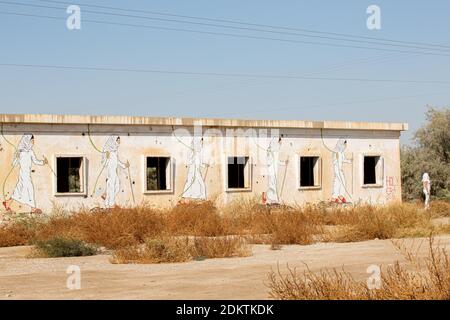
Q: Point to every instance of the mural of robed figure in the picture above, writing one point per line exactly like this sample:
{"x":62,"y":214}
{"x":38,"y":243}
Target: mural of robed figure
{"x":24,"y":157}
{"x":194,"y":187}
{"x":339,"y":182}
{"x":111,"y":162}
{"x":273,"y":163}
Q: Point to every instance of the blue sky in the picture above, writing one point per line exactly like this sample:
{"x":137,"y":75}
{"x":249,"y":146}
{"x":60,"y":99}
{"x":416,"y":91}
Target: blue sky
{"x":32,"y":40}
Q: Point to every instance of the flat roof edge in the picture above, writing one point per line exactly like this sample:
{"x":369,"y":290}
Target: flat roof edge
{"x":211,"y":122}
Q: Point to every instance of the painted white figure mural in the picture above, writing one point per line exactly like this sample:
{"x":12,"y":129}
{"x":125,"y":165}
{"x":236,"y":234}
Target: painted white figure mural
{"x":339,"y":182}
{"x":426,"y":182}
{"x":194,"y":187}
{"x":25,"y":157}
{"x":273,"y":162}
{"x":111,"y":162}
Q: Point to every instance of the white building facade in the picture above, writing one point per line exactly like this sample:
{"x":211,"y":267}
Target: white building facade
{"x":107,"y":161}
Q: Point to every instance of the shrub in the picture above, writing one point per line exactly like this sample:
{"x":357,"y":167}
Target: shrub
{"x":430,"y":153}
{"x":275,"y":225}
{"x":284,"y":225}
{"x":64,"y":247}
{"x":367,"y":222}
{"x":195,"y":219}
{"x":181,"y":249}
{"x":158,"y":250}
{"x":115,"y":228}
{"x":323,"y":285}
{"x":293,"y":227}
{"x":372,"y":223}
{"x":440,"y":208}
{"x":397,"y":283}
{"x":222,"y":247}
{"x":17,"y":233}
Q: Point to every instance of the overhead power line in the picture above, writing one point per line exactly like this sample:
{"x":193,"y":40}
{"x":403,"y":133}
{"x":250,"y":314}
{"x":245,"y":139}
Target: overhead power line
{"x":246,"y":23}
{"x":333,"y":38}
{"x":227,"y":34}
{"x":216,"y":74}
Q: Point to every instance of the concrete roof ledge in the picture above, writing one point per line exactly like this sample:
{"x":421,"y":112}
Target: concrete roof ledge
{"x":171,"y":121}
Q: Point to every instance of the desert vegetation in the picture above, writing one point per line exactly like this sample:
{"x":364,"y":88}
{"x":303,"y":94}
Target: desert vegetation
{"x":417,"y":279}
{"x":202,"y":230}
{"x":182,"y":249}
{"x":63,"y":247}
{"x":430,"y":152}
{"x":197,"y":231}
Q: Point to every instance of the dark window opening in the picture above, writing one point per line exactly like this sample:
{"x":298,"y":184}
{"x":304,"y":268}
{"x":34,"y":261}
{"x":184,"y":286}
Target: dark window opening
{"x":69,"y":175}
{"x":236,"y":172}
{"x":157,"y":173}
{"x":308,"y":175}
{"x":370,"y":174}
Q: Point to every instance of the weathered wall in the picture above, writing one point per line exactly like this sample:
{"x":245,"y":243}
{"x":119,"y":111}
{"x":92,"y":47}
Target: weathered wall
{"x":140,"y":140}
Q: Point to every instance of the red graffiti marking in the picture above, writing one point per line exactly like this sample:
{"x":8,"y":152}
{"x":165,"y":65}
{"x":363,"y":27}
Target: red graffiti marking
{"x":391,"y":183}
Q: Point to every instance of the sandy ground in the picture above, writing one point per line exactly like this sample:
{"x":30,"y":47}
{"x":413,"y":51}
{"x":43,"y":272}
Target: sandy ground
{"x":230,"y":278}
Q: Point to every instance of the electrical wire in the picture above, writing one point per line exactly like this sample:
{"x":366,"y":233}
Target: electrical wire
{"x":233,"y":27}
{"x":246,"y":23}
{"x":229,"y":34}
{"x":217,"y":74}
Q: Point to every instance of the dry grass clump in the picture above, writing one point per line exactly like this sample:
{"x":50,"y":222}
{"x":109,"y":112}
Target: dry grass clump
{"x":115,"y":228}
{"x":166,"y":249}
{"x":367,"y":222}
{"x":17,"y":234}
{"x":323,"y":285}
{"x":158,"y":250}
{"x":293,"y":227}
{"x":397,"y":282}
{"x":240,"y":215}
{"x":275,"y":225}
{"x":439,"y":208}
{"x":221,"y":247}
{"x":195,"y":219}
{"x":63,"y":247}
{"x":112,"y":229}
{"x":443,"y":229}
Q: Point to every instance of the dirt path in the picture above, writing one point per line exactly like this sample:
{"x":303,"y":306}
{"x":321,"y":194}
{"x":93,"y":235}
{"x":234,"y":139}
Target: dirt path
{"x":237,"y":278}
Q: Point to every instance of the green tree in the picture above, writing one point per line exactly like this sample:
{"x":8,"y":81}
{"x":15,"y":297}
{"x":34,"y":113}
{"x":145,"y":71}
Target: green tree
{"x":431,"y":153}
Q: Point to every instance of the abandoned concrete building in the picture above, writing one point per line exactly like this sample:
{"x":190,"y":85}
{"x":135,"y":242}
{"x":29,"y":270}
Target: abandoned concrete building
{"x":106,"y":161}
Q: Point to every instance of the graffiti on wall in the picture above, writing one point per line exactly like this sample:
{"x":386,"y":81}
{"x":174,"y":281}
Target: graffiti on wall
{"x":391,"y":187}
{"x":112,"y":166}
{"x":194,"y":187}
{"x":111,"y":163}
{"x":273,"y":162}
{"x":24,"y":158}
{"x":272,"y":157}
{"x":340,"y":191}
{"x":273,"y":195}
